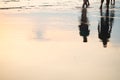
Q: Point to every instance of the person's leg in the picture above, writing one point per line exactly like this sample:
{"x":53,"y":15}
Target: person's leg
{"x":83,"y":4}
{"x":107,"y":3}
{"x":88,"y":2}
{"x":101,"y":4}
{"x":113,"y":2}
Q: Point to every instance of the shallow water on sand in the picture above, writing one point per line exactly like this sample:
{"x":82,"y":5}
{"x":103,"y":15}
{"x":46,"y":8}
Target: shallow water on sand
{"x":47,"y":43}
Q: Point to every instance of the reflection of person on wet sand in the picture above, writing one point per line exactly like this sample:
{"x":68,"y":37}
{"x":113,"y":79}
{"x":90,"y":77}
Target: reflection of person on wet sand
{"x":105,"y":26}
{"x":83,"y":27}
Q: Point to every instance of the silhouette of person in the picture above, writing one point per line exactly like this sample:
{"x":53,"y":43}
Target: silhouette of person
{"x":105,"y":26}
{"x":85,"y":3}
{"x":84,"y":27}
{"x":107,"y":3}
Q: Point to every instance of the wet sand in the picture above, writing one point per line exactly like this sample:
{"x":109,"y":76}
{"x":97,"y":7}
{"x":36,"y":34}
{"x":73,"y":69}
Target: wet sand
{"x":46,"y":43}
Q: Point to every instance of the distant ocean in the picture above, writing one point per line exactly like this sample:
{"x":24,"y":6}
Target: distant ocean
{"x":41,"y":3}
{"x":49,"y":4}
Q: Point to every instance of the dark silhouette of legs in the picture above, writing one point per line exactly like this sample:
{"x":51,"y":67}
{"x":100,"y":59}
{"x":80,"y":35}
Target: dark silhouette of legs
{"x":101,"y":4}
{"x":112,"y":2}
{"x":107,"y":3}
{"x":85,"y":3}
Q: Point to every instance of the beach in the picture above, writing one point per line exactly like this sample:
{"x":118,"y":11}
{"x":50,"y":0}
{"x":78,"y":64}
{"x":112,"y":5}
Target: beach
{"x":45,"y":40}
